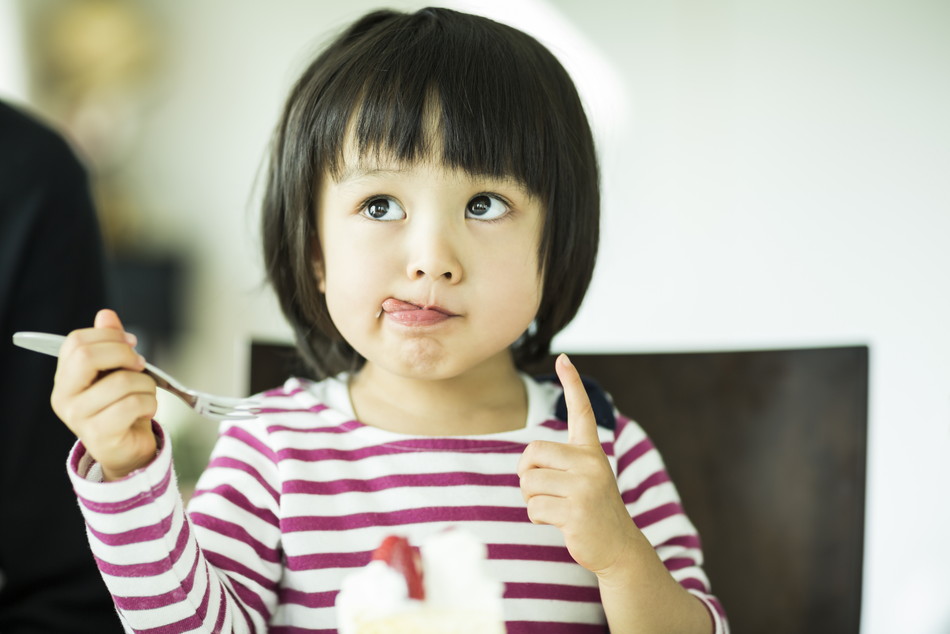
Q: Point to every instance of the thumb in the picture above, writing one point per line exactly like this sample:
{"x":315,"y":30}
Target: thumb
{"x":581,"y":423}
{"x":107,"y":318}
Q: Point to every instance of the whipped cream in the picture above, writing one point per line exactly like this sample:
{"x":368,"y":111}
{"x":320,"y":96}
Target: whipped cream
{"x":453,"y":568}
{"x":372,"y":593}
{"x":460,"y":597}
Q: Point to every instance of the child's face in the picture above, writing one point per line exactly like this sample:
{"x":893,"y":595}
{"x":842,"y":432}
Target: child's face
{"x":428,"y":272}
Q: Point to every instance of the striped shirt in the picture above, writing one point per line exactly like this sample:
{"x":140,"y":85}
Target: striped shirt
{"x":298,"y":497}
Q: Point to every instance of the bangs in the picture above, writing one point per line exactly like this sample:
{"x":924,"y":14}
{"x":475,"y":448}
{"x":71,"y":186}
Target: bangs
{"x":437,"y":92}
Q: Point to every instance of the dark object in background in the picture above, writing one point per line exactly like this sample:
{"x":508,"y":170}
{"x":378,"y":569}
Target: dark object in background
{"x":768,"y":451}
{"x":51,"y":279}
{"x":146,"y":292}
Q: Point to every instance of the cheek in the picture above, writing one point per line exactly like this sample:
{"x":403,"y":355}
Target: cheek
{"x":516,"y":283}
{"x":353,"y":277}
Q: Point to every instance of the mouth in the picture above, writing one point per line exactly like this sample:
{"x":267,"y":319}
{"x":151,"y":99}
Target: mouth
{"x":411,"y":314}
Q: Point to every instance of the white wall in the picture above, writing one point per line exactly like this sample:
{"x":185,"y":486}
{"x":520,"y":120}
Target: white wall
{"x":784,"y":183}
{"x":775,"y":181}
{"x":12,"y":72}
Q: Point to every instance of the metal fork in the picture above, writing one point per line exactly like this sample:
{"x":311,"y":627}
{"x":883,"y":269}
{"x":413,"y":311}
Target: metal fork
{"x":208,"y":405}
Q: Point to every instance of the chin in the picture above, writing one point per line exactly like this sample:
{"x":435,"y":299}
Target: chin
{"x":427,"y":360}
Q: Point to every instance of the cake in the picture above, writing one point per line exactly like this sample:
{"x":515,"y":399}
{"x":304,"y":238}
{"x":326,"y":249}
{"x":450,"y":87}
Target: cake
{"x":442,"y":589}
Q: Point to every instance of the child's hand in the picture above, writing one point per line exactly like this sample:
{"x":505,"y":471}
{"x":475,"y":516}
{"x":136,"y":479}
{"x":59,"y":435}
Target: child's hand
{"x":571,"y":486}
{"x":101,"y":394}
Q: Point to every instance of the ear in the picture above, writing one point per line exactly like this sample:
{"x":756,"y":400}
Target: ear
{"x":317,"y":255}
{"x":318,"y":273}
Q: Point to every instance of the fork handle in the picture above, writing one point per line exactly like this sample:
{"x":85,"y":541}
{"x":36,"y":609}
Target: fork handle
{"x":48,"y":343}
{"x":163,"y":381}
{"x":42,"y":342}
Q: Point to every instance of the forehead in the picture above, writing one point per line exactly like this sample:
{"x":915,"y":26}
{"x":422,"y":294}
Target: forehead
{"x":370,"y":162}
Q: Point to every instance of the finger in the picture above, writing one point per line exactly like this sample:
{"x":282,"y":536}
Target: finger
{"x":581,"y":423}
{"x":85,"y":336}
{"x":108,"y":318}
{"x":549,"y":482}
{"x":546,"y":509}
{"x":109,"y":390}
{"x":547,"y":455}
{"x":129,"y":411}
{"x":80,"y":366}
{"x":107,"y":432}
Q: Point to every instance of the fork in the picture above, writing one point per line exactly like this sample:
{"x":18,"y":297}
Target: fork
{"x":208,"y":405}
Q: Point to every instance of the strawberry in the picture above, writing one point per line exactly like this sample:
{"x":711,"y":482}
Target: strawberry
{"x":404,"y":559}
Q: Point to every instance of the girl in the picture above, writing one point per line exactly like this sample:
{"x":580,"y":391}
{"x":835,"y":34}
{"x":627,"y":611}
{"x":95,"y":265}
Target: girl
{"x":430,"y":222}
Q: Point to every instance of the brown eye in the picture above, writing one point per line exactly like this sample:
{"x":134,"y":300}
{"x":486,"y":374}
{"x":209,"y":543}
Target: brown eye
{"x":383,"y":209}
{"x":486,"y":207}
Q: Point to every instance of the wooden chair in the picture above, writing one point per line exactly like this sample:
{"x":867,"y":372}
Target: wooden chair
{"x":767,"y":449}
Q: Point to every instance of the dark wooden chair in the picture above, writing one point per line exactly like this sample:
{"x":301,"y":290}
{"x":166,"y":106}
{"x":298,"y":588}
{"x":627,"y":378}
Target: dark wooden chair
{"x":767,"y":449}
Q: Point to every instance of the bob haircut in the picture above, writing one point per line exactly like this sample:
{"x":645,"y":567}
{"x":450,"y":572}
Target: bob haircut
{"x":505,"y":107}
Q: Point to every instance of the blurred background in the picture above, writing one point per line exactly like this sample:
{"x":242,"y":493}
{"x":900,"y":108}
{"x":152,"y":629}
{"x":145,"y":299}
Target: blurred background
{"x":775,"y":175}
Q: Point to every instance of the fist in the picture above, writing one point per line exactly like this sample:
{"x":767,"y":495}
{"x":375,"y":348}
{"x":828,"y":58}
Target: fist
{"x":101,"y":394}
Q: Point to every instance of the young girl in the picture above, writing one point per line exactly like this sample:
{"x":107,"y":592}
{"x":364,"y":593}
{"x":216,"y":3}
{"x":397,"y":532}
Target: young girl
{"x":430,"y":223}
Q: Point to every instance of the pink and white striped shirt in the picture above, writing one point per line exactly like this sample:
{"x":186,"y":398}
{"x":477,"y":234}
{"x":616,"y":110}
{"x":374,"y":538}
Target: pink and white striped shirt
{"x":300,"y":496}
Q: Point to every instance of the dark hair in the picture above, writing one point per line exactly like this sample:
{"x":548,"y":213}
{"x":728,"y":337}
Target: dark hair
{"x":505,"y":107}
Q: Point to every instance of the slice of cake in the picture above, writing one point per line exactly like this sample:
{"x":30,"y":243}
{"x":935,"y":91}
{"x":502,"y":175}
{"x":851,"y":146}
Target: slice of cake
{"x":442,"y":590}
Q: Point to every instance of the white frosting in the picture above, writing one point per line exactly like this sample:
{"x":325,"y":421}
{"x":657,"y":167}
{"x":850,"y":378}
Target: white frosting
{"x":460,"y":595}
{"x":453,"y":564}
{"x":372,"y":592}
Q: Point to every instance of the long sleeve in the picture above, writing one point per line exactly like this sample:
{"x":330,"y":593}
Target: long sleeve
{"x":654,"y":504}
{"x":169,"y":572}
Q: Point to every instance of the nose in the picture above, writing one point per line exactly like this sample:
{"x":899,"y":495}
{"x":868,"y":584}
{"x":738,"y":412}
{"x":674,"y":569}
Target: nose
{"x":434,"y":255}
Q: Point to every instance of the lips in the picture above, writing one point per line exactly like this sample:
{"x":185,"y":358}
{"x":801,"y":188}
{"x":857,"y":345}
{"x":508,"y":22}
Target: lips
{"x":409,"y":314}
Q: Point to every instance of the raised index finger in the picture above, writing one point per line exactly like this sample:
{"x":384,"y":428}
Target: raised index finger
{"x":581,"y":422}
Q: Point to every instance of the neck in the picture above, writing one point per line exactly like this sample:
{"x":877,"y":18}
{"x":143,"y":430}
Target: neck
{"x":488,"y":398}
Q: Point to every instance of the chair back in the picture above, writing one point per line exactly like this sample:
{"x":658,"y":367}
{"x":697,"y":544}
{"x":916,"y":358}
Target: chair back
{"x":768,"y":451}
